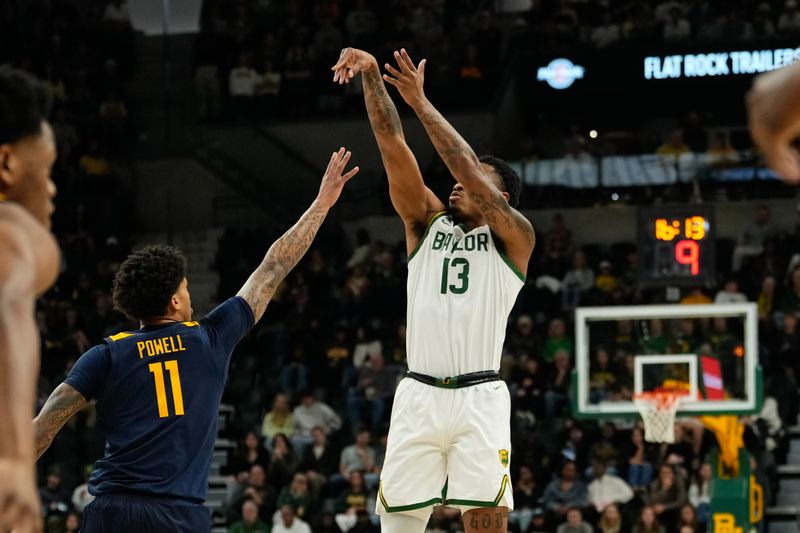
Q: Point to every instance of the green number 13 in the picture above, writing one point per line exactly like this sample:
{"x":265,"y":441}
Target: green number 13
{"x":462,"y":276}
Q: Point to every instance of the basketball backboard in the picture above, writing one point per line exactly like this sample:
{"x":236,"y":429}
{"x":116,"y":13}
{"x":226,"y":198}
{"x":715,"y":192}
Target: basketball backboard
{"x":711,"y":351}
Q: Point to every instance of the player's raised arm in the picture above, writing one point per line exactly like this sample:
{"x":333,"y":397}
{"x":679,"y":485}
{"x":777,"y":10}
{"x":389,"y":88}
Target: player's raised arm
{"x":773,"y":105}
{"x":285,"y":253}
{"x":506,"y":222}
{"x":412,"y":200}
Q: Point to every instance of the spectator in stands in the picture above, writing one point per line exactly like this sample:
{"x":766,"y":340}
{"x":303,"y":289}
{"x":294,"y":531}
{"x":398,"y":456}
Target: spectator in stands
{"x":721,"y":153}
{"x":577,"y":283}
{"x":373,"y":391}
{"x":526,"y":498}
{"x":257,"y":490}
{"x":763,"y":28}
{"x":327,"y":524}
{"x":654,"y":340}
{"x":72,"y":524}
{"x":320,"y":460}
{"x":673,"y":148}
{"x":249,"y":452}
{"x":751,"y":241}
{"x":688,"y":518}
{"x":268,"y":90}
{"x":602,"y":378}
{"x":557,"y":340}
{"x":605,"y":282}
{"x":283,"y":461}
{"x":766,"y":300}
{"x":676,"y":28}
{"x":648,"y":523}
{"x":117,"y":13}
{"x":557,"y":395}
{"x":352,"y":501}
{"x":55,"y":497}
{"x":640,"y":460}
{"x":278,"y":420}
{"x":361,"y":25}
{"x":298,"y":496}
{"x":360,"y":456}
{"x":93,"y":162}
{"x":312,"y":413}
{"x":557,"y":246}
{"x":607,"y":489}
{"x":564,"y":492}
{"x":696,"y":296}
{"x":606,"y":34}
{"x":574,"y":523}
{"x":667,"y":495}
{"x":790,"y":302}
{"x":242,"y":83}
{"x":289,"y":523}
{"x":789,"y":21}
{"x":610,"y":520}
{"x":523,"y":339}
{"x":730,"y":294}
{"x":250,"y":522}
{"x":80,"y":496}
{"x":367,"y":345}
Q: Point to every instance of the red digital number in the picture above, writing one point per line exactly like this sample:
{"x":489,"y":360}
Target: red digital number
{"x":688,"y":253}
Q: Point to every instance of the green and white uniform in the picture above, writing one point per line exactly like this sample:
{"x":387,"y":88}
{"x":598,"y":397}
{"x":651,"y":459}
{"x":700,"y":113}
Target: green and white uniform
{"x":452,"y":445}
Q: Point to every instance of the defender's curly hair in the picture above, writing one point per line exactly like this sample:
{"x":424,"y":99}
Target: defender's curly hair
{"x":24,"y":104}
{"x":147,"y":279}
{"x":512,"y":183}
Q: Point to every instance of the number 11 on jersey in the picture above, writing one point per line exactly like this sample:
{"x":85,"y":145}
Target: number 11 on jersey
{"x":157,"y":369}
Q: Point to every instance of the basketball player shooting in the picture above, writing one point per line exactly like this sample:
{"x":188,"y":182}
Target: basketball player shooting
{"x":449,"y":437}
{"x":28,"y":267}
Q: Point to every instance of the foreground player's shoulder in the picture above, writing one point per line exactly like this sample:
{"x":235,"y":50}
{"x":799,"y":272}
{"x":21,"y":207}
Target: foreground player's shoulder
{"x":27,"y":249}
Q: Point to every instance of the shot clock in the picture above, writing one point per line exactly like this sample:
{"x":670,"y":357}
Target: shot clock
{"x":676,"y":245}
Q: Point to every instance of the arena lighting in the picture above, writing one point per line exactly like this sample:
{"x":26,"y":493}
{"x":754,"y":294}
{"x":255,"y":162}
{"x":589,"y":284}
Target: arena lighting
{"x":718,"y":63}
{"x":560,"y":73}
{"x":593,"y":134}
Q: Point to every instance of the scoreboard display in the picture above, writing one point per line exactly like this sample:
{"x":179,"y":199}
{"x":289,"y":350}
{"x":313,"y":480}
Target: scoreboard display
{"x":676,"y":245}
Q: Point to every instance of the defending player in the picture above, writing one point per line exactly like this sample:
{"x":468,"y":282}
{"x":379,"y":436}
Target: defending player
{"x":28,"y":267}
{"x":449,"y":438}
{"x":158,"y":389}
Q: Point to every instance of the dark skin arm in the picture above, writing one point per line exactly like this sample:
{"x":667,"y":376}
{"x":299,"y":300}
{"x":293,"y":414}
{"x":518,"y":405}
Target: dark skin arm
{"x":509,"y":225}
{"x":287,"y":251}
{"x":413,"y":201}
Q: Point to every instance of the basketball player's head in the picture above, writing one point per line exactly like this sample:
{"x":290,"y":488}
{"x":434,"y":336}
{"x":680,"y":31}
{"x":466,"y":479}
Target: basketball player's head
{"x":27,"y":146}
{"x":151,"y":284}
{"x":508,"y":182}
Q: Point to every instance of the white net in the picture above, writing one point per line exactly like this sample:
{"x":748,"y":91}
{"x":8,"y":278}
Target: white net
{"x":658,"y":413}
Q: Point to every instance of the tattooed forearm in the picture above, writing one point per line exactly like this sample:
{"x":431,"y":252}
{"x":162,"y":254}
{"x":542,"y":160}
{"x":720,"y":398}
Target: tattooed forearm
{"x":60,"y":406}
{"x":281,"y":258}
{"x":453,"y":149}
{"x":381,"y":110}
{"x":487,"y":520}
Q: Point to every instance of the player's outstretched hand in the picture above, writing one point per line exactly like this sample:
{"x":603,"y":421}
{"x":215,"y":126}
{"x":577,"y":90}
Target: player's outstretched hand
{"x":334,"y":178}
{"x":351,"y":62}
{"x":20,"y":508}
{"x":409,"y":79}
{"x":774,"y":113}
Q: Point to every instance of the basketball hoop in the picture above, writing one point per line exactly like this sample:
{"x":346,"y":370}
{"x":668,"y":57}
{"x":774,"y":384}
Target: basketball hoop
{"x":658,"y":408}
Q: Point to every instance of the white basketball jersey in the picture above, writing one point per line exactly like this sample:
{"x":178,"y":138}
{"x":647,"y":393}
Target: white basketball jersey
{"x":460,"y":292}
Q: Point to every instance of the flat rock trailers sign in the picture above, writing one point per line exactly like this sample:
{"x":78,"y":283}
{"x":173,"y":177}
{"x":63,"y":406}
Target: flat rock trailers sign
{"x":718,"y":63}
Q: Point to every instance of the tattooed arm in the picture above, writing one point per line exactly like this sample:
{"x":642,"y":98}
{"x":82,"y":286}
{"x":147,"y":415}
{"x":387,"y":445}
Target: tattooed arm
{"x":287,"y":251}
{"x":64,"y":402}
{"x":413,"y":201}
{"x":508,"y":224}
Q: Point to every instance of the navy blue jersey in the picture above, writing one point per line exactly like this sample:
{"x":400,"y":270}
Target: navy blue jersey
{"x":158,"y":392}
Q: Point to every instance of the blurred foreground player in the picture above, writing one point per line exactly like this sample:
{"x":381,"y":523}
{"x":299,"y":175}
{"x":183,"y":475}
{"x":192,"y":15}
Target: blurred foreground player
{"x":773,"y":106}
{"x":449,"y":436}
{"x":158,"y":389}
{"x":28,"y":267}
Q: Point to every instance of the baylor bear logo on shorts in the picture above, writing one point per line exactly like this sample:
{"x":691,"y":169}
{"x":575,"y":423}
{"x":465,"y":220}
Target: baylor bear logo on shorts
{"x":504,"y":458}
